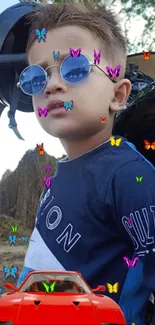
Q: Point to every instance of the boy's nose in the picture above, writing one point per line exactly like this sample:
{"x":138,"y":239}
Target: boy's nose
{"x":55,"y":82}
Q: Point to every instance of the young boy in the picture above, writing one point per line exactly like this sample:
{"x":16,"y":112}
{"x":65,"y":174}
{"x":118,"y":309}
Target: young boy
{"x":101,"y":203}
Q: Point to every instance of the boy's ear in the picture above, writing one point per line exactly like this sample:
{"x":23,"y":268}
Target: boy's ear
{"x":122,"y":91}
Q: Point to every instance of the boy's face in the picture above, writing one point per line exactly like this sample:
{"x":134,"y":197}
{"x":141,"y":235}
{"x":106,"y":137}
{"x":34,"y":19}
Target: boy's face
{"x":94,"y":98}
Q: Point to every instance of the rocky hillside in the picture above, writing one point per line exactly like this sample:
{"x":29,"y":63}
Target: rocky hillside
{"x":19,"y":194}
{"x":20,"y":190}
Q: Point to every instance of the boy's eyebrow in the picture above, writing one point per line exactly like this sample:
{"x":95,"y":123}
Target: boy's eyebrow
{"x":45,"y":64}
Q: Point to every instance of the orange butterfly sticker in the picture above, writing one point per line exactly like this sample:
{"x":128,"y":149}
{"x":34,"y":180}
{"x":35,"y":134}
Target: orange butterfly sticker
{"x":149,"y":145}
{"x":103,"y":120}
{"x":41,"y":149}
{"x":147,"y":55}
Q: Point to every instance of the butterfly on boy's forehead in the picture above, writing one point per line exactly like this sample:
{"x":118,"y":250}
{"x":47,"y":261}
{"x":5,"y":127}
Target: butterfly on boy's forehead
{"x":56,"y":55}
{"x":75,"y":52}
{"x":147,"y":55}
{"x":41,"y":149}
{"x":113,"y":288}
{"x":41,"y":34}
{"x":116,"y":142}
{"x":149,"y":145}
{"x":97,"y":57}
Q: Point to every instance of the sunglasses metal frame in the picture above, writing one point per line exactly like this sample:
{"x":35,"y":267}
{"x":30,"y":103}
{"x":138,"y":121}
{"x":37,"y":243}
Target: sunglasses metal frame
{"x":60,"y":66}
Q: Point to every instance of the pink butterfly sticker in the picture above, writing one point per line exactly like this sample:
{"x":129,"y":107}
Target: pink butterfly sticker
{"x":132,"y":262}
{"x":47,"y":169}
{"x":42,"y":112}
{"x":47,"y":181}
{"x":129,"y":221}
{"x":97,"y":56}
{"x":115,"y":72}
{"x":75,"y":52}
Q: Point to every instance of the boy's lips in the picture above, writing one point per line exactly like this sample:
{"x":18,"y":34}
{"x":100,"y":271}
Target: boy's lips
{"x":57,"y":107}
{"x":55,"y":104}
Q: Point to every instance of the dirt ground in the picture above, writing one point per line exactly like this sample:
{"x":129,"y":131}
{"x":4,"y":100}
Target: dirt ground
{"x":11,"y":256}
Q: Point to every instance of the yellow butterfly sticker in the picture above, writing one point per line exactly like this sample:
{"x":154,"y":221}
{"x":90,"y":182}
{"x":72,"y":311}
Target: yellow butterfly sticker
{"x":113,"y":288}
{"x":114,"y":142}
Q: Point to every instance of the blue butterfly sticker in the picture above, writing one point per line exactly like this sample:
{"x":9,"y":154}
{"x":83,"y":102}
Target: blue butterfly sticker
{"x":41,"y":35}
{"x":12,"y":240}
{"x":68,"y":105}
{"x":10,"y":271}
{"x":56,"y":55}
{"x":24,"y":239}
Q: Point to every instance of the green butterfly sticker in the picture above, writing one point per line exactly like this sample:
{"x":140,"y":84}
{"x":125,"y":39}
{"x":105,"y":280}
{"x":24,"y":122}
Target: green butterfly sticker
{"x":14,"y":229}
{"x":139,"y":179}
{"x":48,"y":287}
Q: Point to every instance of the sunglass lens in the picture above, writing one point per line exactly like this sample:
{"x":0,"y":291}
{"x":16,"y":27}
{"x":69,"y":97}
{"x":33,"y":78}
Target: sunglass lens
{"x":75,"y":69}
{"x":32,"y":80}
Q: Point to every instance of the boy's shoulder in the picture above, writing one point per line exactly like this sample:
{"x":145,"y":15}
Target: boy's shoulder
{"x":127,"y":175}
{"x":119,"y":156}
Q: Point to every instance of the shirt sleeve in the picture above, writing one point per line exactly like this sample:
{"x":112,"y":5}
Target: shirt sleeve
{"x":131,"y":200}
{"x":131,"y":197}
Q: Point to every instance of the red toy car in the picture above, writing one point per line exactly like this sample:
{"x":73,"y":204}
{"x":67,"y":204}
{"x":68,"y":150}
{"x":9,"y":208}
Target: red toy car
{"x":59,"y":298}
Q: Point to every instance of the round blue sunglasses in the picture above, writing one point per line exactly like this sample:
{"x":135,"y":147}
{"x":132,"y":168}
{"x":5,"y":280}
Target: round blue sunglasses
{"x":33,"y":79}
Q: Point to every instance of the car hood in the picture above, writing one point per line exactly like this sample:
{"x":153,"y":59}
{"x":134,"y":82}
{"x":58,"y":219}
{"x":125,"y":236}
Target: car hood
{"x":39,"y":309}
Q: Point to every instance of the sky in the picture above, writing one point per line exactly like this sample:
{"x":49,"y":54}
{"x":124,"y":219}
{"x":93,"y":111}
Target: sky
{"x":13,"y":149}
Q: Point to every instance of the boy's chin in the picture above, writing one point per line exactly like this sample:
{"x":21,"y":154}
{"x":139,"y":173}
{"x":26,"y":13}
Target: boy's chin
{"x":60,"y":134}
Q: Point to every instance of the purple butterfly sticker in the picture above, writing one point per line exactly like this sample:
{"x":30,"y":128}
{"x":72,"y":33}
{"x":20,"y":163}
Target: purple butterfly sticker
{"x":113,"y":73}
{"x":47,"y":181}
{"x":47,"y":169}
{"x":75,"y":52}
{"x":132,"y":262}
{"x":129,"y":221}
{"x":42,"y":112}
{"x":97,"y":56}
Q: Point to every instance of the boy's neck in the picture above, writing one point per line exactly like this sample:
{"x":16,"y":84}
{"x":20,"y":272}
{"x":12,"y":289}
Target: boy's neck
{"x":78,"y":147}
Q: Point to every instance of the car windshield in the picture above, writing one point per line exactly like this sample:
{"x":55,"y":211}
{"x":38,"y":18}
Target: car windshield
{"x":53,"y":283}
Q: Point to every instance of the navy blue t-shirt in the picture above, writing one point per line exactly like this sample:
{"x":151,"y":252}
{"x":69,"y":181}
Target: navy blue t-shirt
{"x":100,"y":208}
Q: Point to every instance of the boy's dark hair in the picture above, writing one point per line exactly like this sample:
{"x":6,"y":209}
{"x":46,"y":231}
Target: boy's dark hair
{"x":101,"y":22}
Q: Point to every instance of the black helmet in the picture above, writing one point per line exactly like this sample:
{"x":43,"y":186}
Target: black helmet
{"x":139,"y":72}
{"x":13,"y":40}
{"x":136,"y":121}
